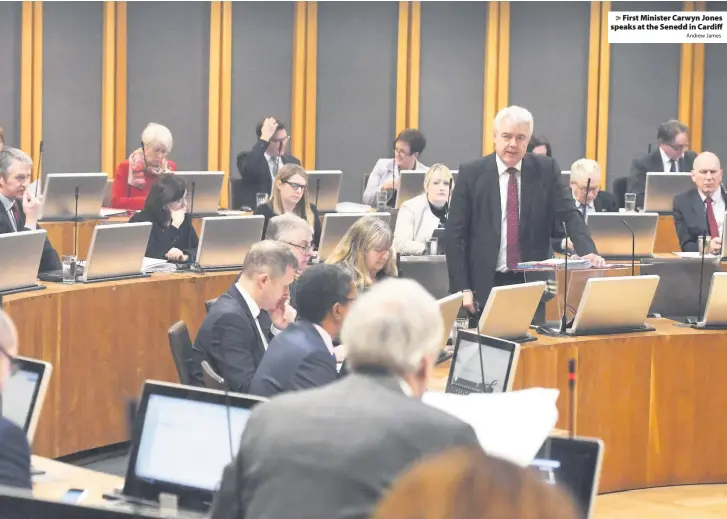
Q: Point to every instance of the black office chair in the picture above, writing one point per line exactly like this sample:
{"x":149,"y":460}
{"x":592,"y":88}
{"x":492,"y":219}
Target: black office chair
{"x":619,"y":190}
{"x":212,"y":380}
{"x":181,"y":346}
{"x":208,"y":304}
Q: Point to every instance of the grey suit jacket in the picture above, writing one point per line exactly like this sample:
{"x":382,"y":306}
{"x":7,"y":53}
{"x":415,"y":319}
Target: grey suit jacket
{"x":331,"y":452}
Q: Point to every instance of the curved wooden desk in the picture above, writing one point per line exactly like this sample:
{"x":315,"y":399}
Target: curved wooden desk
{"x":656,"y":399}
{"x":104,"y":340}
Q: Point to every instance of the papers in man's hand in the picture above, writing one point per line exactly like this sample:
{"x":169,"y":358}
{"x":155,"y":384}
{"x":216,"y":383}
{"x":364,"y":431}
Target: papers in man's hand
{"x":352,"y":207}
{"x":157,"y":265}
{"x":696,"y":255}
{"x":575,"y":264}
{"x":511,"y":426}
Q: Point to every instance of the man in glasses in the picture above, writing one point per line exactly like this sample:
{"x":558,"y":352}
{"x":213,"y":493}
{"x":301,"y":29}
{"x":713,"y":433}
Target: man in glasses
{"x":671,"y":156}
{"x":258,"y":167}
{"x":14,"y":448}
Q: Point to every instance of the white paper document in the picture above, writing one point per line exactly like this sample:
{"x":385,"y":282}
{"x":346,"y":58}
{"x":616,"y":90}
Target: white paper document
{"x":351,"y":207}
{"x":696,"y":255}
{"x":157,"y":265}
{"x":511,"y":426}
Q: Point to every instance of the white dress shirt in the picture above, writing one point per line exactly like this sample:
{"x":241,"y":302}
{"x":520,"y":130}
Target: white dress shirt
{"x":326,"y":338}
{"x":718,"y":206}
{"x":255,"y":311}
{"x":590,"y":208}
{"x":667,"y":162}
{"x":504,"y":178}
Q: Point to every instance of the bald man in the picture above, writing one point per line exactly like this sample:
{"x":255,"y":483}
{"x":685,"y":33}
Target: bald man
{"x":702,"y":207}
{"x":14,"y":448}
{"x":588,"y":198}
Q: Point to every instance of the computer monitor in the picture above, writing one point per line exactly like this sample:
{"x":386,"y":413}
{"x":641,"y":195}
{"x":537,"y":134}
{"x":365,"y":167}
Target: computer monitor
{"x":335,"y":226}
{"x":613,"y":238}
{"x":117,"y":251}
{"x":661,"y":188}
{"x":411,"y":184}
{"x":324,"y":188}
{"x":60,"y":195}
{"x":225,"y":240}
{"x":499,"y":319}
{"x":24,"y":394}
{"x":482,"y":364}
{"x":20,"y":254}
{"x":206,"y":187}
{"x":181,"y":441}
{"x":715,"y":312}
{"x":449,"y":308}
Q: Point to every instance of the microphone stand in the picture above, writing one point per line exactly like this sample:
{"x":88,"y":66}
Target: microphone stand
{"x":585,"y":204}
{"x":398,"y":265}
{"x":633,"y":247}
{"x":39,"y":170}
{"x":701,"y":266}
{"x":194,"y":266}
{"x":318,"y":188}
{"x":75,"y":225}
{"x":571,"y":396}
{"x":564,"y":319}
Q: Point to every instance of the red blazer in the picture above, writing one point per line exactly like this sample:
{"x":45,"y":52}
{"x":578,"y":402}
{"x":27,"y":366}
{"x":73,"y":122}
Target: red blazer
{"x":124,"y":196}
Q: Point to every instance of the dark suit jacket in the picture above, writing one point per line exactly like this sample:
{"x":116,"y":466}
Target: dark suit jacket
{"x":163,"y":239}
{"x":296,"y":359}
{"x":332,"y":452}
{"x":605,"y":202}
{"x":14,"y":456}
{"x":690,"y":219}
{"x":475,"y":220}
{"x":652,"y":162}
{"x":228,"y":339}
{"x":254,"y":175}
{"x":267,"y":211}
{"x":49,"y":258}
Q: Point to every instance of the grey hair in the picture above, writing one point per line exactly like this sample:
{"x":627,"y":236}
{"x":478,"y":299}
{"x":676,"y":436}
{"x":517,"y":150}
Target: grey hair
{"x":282,"y":225}
{"x":8,"y":333}
{"x":269,"y":257}
{"x":669,"y":130}
{"x":583,"y":168}
{"x":395,"y":325}
{"x":516,"y":115}
{"x":8,"y":155}
{"x":157,"y":133}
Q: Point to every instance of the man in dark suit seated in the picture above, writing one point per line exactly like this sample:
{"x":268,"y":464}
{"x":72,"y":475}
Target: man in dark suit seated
{"x":504,"y":207}
{"x":258,"y":167}
{"x":19,"y":208}
{"x":670,"y":157}
{"x":702,"y":208}
{"x":235,"y":333}
{"x":590,"y":200}
{"x":302,"y":355}
{"x":333,"y":451}
{"x":14,"y":448}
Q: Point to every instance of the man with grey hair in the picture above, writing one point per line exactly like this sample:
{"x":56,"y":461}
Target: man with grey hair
{"x":333,"y":451}
{"x":19,"y":208}
{"x":14,"y":448}
{"x":671,"y":156}
{"x":504,"y":206}
{"x":235,"y":333}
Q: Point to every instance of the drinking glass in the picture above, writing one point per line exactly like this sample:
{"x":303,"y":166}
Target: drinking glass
{"x":630,"y":202}
{"x":70,"y":263}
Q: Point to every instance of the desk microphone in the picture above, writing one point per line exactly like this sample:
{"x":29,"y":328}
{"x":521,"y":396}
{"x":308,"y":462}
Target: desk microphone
{"x":701,"y":266}
{"x":571,"y":396}
{"x":318,"y":188}
{"x":649,"y":149}
{"x":75,"y":224}
{"x":585,"y":204}
{"x":194,"y":266}
{"x":485,"y":388}
{"x":39,"y":171}
{"x":564,"y":319}
{"x":633,"y":247}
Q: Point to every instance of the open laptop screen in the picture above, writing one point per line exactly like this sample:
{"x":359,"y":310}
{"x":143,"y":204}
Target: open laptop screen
{"x":24,"y":393}
{"x":482,"y":364}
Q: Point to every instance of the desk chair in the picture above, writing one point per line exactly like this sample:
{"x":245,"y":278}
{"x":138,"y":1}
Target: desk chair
{"x":181,"y":346}
{"x":211,"y":379}
{"x":208,"y":304}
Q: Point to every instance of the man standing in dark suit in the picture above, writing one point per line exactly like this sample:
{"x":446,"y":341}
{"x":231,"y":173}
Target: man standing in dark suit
{"x":302,"y":356}
{"x":332,"y":452}
{"x":19,"y":208}
{"x":670,"y":157}
{"x":235,"y":333}
{"x":259,"y":166}
{"x":14,"y":448}
{"x":702,"y":208}
{"x":504,"y":206}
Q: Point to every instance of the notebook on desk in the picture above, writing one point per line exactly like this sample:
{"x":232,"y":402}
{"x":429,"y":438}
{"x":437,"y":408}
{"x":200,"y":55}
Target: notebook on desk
{"x":24,"y":394}
{"x":509,"y":310}
{"x":59,"y":195}
{"x":661,"y":188}
{"x":225,"y":241}
{"x":206,"y":187}
{"x":335,"y":226}
{"x":613,"y":238}
{"x":324,"y":188}
{"x":117,"y":252}
{"x":20,"y":254}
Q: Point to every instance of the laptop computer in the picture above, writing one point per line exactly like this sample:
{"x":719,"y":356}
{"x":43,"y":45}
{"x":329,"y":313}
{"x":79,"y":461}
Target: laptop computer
{"x":206,"y":187}
{"x":182,"y":439}
{"x":335,"y":226}
{"x":613,"y":238}
{"x":411,"y":184}
{"x":449,"y":307}
{"x":225,"y":240}
{"x":615,"y":305}
{"x":661,"y":188}
{"x":324,"y":188}
{"x":510,"y":310}
{"x":429,"y":271}
{"x":574,"y":463}
{"x":482,"y":364}
{"x":715,"y":312}
{"x":24,"y":394}
{"x":117,"y":252}
{"x":60,"y":195}
{"x":20,"y":254}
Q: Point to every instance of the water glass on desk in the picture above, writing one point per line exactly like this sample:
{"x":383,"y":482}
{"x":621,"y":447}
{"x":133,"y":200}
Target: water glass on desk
{"x":630,"y":202}
{"x":432,"y":246}
{"x":461,"y":323}
{"x":70,"y":264}
{"x":382,"y":200}
{"x":702,"y":243}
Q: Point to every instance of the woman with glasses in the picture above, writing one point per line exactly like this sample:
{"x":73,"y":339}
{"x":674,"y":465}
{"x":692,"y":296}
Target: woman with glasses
{"x":367,"y":250}
{"x":290,"y":196}
{"x":420,"y":216}
{"x":135,"y":176}
{"x":172,"y":235}
{"x":385,"y":175}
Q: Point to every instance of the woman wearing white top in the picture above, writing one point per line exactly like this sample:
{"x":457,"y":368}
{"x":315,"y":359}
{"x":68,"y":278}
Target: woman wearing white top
{"x":420,"y":216}
{"x":386,"y":173}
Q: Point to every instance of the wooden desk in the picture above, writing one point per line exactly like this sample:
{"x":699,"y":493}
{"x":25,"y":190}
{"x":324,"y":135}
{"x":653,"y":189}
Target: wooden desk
{"x":656,"y":399}
{"x":104,"y":340}
{"x":59,"y":477}
{"x":666,"y":235}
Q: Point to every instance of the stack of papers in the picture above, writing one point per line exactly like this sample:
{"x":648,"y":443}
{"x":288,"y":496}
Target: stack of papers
{"x":511,"y":426}
{"x":352,"y":207}
{"x":696,"y":255}
{"x":110,"y":211}
{"x":575,"y":264}
{"x":157,"y":265}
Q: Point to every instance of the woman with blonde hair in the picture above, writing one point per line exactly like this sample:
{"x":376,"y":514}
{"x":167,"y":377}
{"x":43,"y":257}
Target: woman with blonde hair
{"x":290,"y":196}
{"x":420,"y":216}
{"x":367,"y":250}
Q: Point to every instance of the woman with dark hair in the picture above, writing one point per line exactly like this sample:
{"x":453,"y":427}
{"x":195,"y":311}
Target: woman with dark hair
{"x":540,"y":146}
{"x":172,"y":235}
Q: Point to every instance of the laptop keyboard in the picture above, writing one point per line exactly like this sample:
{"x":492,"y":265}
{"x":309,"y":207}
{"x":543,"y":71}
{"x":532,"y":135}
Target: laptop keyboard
{"x":461,"y":386}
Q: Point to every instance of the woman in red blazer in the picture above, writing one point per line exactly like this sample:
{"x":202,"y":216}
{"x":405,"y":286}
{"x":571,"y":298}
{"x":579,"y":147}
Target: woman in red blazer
{"x":135,"y":176}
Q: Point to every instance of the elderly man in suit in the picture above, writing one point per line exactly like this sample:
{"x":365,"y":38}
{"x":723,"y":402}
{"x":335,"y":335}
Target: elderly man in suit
{"x":235,"y":333}
{"x":259,"y":166}
{"x":702,"y":208}
{"x":670,"y":157}
{"x":333,"y":451}
{"x":504,"y":207}
{"x":19,"y":208}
